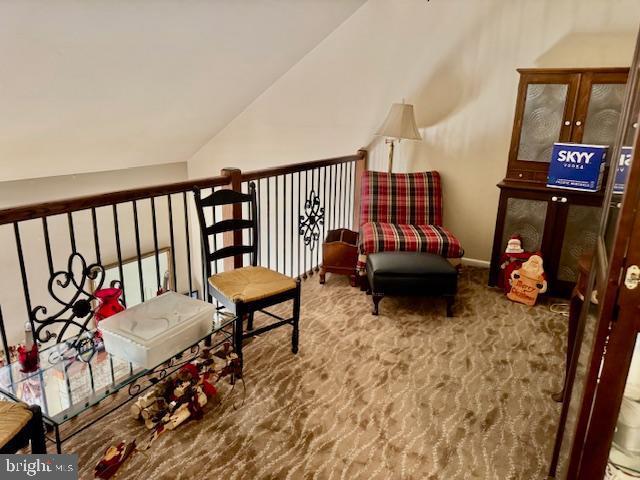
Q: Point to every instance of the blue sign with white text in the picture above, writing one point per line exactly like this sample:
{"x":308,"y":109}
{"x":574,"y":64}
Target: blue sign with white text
{"x":621,"y":169}
{"x":576,"y":167}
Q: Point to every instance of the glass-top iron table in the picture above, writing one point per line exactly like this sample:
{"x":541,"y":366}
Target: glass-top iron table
{"x":71,"y":381}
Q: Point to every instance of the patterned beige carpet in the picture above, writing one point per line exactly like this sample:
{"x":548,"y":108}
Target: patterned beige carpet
{"x":410,"y":394}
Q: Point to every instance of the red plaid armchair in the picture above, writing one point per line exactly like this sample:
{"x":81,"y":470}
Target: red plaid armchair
{"x":403,"y":212}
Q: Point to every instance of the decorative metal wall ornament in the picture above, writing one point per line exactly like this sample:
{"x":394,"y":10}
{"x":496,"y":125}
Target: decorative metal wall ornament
{"x":71,"y":290}
{"x":309,"y":223}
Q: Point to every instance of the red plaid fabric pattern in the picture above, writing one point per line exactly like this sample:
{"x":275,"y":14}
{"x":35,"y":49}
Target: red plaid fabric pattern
{"x":391,"y":237}
{"x":403,"y":212}
{"x":401,"y":198}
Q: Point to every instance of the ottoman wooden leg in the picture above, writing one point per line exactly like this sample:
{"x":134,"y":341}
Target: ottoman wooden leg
{"x":323,"y":272}
{"x":376,"y":300}
{"x":450,"y":299}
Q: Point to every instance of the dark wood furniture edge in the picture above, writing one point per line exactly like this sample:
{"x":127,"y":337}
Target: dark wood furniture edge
{"x":574,"y":70}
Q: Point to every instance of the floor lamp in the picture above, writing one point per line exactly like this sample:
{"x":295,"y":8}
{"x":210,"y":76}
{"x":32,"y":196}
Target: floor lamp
{"x":399,"y":124}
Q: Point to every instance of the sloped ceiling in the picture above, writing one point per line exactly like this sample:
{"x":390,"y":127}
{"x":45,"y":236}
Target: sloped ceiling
{"x":103,"y":85}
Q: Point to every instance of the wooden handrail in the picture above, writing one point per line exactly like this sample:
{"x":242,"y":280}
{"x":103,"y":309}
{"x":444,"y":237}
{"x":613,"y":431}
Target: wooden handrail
{"x":57,"y":207}
{"x":299,"y":167}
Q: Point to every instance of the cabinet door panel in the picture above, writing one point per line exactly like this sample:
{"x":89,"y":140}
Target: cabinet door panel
{"x":580,"y":236}
{"x":599,"y":108}
{"x":544,"y":113}
{"x":603,"y":114}
{"x":527,"y":218}
{"x":542,"y":120}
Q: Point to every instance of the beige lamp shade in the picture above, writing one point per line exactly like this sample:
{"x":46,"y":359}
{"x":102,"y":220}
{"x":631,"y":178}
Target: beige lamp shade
{"x":400,"y":123}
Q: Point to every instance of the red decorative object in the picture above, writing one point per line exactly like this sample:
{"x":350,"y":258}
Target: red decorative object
{"x":112,"y":459}
{"x":508,"y":263}
{"x":28,"y":358}
{"x":109,"y":303}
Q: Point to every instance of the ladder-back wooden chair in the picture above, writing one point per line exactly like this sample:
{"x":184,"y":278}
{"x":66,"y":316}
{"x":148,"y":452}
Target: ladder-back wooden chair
{"x":245,"y":290}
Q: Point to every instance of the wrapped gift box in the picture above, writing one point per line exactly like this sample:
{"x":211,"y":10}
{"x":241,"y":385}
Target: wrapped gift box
{"x":576,"y":167}
{"x":154,"y":331}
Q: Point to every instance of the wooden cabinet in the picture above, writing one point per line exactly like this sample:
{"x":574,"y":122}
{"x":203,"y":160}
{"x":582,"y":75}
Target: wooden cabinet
{"x":555,"y":105}
{"x":581,"y":106}
{"x":562,"y":224}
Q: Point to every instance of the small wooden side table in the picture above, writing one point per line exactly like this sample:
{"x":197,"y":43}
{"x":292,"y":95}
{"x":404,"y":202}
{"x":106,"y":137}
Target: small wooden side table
{"x":340,"y":254}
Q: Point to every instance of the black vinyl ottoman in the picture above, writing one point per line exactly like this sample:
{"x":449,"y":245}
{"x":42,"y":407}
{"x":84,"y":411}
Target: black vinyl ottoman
{"x":411,"y":273}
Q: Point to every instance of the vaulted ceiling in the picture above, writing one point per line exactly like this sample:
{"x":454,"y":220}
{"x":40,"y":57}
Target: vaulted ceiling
{"x":102,"y":85}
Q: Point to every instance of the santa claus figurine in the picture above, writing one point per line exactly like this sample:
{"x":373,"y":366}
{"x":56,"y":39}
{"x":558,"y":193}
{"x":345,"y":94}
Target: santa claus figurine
{"x":528,"y":281}
{"x":514,"y":245}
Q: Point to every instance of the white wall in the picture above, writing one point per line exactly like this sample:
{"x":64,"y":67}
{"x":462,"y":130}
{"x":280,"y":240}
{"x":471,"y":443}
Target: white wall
{"x":455,"y":60}
{"x":109,"y":84}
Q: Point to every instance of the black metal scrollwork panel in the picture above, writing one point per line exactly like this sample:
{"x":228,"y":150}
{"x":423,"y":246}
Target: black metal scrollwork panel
{"x":309,"y":223}
{"x":70,"y":289}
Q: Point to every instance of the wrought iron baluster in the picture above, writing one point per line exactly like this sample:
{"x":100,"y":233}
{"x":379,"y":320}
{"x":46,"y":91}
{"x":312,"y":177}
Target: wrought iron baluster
{"x":188,"y":239}
{"x":319,"y":240}
{"x":138,"y":251}
{"x":292,"y":222}
{"x":299,"y":239}
{"x":119,"y":254}
{"x":23,"y":274}
{"x":154,"y":225}
{"x":47,"y":244}
{"x":324,"y":204}
{"x":96,"y":240}
{"x":173,"y":244}
{"x":5,"y":344}
{"x":306,"y":192}
{"x":277,"y":243}
{"x":341,"y":198}
{"x":334,"y":187}
{"x":347,"y":195}
{"x":268,"y":223}
{"x":259,"y":201}
{"x":72,"y":233}
{"x":284,"y":224}
{"x":204,"y":261}
{"x":215,"y":237}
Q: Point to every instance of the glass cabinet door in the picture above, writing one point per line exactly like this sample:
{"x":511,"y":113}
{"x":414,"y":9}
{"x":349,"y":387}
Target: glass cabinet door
{"x":542,"y":120}
{"x":603,"y":114}
{"x":580,"y":236}
{"x":525,"y":217}
{"x":545,"y":115}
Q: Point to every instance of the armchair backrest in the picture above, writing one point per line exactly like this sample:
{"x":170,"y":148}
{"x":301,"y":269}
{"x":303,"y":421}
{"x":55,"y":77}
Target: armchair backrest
{"x":401,"y":198}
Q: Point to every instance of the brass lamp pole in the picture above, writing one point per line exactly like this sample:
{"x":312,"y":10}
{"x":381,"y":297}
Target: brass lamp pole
{"x":399,"y":124}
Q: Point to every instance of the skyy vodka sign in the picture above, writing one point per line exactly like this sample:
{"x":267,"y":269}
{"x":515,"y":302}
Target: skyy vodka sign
{"x":576,"y":167}
{"x":621,"y":170}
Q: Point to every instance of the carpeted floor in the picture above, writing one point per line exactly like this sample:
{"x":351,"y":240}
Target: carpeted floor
{"x":410,"y":394}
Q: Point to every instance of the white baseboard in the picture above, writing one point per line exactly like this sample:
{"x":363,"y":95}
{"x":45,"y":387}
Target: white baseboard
{"x":474,"y":262}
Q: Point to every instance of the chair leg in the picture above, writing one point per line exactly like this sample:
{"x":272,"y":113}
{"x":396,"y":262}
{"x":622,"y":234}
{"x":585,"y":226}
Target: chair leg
{"x":250,"y":321}
{"x":295,"y":335}
{"x":36,"y":427}
{"x":376,"y":297}
{"x":323,"y":274}
{"x":238,"y":330}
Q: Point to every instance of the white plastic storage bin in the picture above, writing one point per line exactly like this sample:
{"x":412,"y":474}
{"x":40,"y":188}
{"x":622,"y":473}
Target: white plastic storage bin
{"x":157,"y":329}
